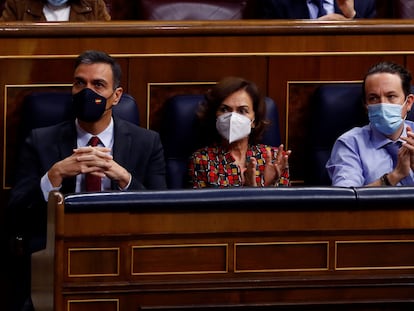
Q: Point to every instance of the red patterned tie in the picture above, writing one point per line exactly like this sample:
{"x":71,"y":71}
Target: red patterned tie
{"x":92,"y":182}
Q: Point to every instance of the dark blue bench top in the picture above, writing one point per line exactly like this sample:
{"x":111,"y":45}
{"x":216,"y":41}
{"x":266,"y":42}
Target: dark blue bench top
{"x":229,"y":198}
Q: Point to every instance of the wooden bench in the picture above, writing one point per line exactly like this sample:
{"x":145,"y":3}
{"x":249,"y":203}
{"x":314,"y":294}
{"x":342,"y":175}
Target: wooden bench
{"x":242,"y":249}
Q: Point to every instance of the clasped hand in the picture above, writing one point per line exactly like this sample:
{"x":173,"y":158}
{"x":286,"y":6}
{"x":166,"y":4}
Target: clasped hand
{"x":95,"y":160}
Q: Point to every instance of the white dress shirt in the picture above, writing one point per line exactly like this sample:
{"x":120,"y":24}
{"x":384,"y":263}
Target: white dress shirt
{"x":328,"y":5}
{"x":56,"y":14}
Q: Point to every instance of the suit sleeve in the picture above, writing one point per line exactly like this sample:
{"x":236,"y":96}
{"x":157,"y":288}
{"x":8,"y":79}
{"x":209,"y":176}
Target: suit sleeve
{"x":153,"y":176}
{"x":268,"y":9}
{"x":368,"y":11}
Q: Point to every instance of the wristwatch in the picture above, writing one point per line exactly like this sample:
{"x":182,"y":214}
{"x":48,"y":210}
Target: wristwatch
{"x":385,"y":181}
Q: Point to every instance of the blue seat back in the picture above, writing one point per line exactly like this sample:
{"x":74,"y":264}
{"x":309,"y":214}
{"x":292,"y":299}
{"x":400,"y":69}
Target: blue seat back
{"x":335,"y":108}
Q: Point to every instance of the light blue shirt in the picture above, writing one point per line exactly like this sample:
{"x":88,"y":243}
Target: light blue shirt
{"x":313,"y":9}
{"x":359,"y":158}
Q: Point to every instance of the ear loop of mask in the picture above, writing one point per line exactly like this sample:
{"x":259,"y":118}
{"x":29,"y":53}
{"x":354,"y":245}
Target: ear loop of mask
{"x":112,"y":106}
{"x":408,"y":111}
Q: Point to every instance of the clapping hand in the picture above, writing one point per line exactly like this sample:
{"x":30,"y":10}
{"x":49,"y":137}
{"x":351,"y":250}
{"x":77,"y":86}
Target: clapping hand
{"x":407,"y":149}
{"x":275,"y":165}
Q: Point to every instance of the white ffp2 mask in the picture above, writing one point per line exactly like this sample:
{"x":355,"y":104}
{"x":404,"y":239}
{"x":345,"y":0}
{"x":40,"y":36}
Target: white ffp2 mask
{"x":233,"y":126}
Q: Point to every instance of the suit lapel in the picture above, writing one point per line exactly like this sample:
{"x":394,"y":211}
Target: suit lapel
{"x":122,"y":144}
{"x":299,"y":9}
{"x":65,"y":149}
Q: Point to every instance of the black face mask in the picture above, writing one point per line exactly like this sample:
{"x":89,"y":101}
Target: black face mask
{"x":88,"y":105}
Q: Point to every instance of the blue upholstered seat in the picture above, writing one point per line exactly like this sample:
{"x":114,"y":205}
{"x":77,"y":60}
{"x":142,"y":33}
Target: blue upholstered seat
{"x":335,"y":108}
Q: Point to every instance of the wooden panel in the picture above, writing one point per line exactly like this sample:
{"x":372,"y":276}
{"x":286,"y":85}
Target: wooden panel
{"x":87,"y":262}
{"x":192,"y":74}
{"x":287,"y":256}
{"x":364,"y":255}
{"x":83,"y":225}
{"x":179,"y":259}
{"x":93,"y":304}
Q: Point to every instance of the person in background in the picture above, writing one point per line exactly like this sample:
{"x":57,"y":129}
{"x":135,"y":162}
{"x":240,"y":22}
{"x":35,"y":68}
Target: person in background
{"x":60,"y":157}
{"x":232,"y":119}
{"x":55,"y":10}
{"x":382,"y":152}
{"x":316,"y":9}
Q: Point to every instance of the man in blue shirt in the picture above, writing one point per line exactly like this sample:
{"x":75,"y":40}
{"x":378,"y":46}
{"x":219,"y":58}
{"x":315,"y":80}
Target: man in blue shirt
{"x":382,"y":152}
{"x":316,"y":9}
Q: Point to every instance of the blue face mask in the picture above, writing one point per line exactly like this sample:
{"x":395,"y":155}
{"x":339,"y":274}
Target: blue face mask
{"x":57,"y":2}
{"x":385,"y":117}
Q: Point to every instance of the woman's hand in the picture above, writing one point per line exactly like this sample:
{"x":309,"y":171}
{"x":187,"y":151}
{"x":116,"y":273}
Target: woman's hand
{"x":250,"y":173}
{"x":275,"y":165}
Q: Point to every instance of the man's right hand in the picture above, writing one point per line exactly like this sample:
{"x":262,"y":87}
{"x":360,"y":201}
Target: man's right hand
{"x":83,"y":160}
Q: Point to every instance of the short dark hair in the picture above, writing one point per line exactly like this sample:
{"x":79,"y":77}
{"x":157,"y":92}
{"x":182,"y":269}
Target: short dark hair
{"x":93,"y":57}
{"x":215,"y":97}
{"x":393,"y":68}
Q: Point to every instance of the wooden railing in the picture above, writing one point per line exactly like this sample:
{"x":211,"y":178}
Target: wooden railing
{"x":233,"y":248}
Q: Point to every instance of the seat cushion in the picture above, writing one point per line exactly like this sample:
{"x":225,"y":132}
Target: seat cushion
{"x":193,"y":10}
{"x":335,"y":108}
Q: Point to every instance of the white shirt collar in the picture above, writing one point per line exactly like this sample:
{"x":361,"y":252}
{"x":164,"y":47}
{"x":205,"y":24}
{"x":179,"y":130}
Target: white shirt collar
{"x":55,"y":14}
{"x":106,"y":136}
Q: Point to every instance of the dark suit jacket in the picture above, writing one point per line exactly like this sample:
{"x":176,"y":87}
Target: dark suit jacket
{"x":137,"y":149}
{"x":298,"y":9}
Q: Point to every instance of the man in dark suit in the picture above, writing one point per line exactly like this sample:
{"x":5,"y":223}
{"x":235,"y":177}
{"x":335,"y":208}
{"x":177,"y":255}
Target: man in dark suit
{"x":310,"y":9}
{"x":127,"y":157}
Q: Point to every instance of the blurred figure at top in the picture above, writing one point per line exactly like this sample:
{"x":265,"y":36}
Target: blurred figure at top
{"x":55,"y":10}
{"x":317,"y":9}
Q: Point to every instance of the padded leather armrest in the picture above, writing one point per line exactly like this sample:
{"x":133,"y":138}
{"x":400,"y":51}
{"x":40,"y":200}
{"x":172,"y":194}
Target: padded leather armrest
{"x":225,"y":199}
{"x":388,"y":197}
